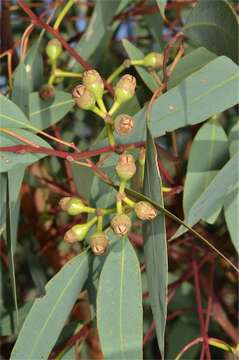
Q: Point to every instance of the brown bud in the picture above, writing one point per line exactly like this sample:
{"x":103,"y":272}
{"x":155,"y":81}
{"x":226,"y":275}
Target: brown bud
{"x":83,"y":97}
{"x":47,"y":92}
{"x":99,"y":242}
{"x":125,"y":167}
{"x":125,"y":88}
{"x":121,"y":224}
{"x":123,"y":124}
{"x":145,"y":211}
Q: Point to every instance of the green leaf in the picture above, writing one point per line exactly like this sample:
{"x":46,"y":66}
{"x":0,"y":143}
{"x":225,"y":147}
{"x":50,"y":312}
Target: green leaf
{"x":119,"y":304}
{"x":6,"y":323}
{"x":49,"y":313}
{"x":34,"y":64}
{"x":206,"y":92}
{"x":225,"y":180}
{"x":161,"y":4}
{"x":208,"y":154}
{"x":20,"y":92}
{"x":11,"y":160}
{"x":83,"y":177}
{"x":155,"y":246}
{"x":46,"y":113}
{"x":231,"y":203}
{"x":102,"y":16}
{"x":11,"y":115}
{"x":214,"y":25}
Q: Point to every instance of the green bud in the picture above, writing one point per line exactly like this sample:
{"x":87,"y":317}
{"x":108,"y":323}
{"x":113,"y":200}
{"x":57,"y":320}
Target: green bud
{"x":83,"y":97}
{"x":53,"y":49}
{"x":94,"y":83}
{"x":99,"y":242}
{"x":47,"y":92}
{"x":121,"y":224}
{"x":154,"y":60}
{"x":72,"y":205}
{"x":125,"y":167}
{"x":77,"y":233}
{"x":145,"y":211}
{"x":123,"y":124}
{"x":125,"y":88}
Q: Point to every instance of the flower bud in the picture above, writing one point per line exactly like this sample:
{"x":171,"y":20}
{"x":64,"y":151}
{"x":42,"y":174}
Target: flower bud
{"x":125,"y":88}
{"x":76,"y":233}
{"x":94,"y":83}
{"x":145,"y":211}
{"x":53,"y":49}
{"x":47,"y":92}
{"x":123,"y":124}
{"x":72,"y":205}
{"x":154,"y":60}
{"x":121,"y":224}
{"x":99,"y":242}
{"x":125,"y":167}
{"x":83,"y":97}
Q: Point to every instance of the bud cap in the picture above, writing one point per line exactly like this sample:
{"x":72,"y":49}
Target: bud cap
{"x":123,"y":124}
{"x":53,"y":49}
{"x":83,"y":97}
{"x":145,"y":211}
{"x":94,"y":83}
{"x":121,"y":224}
{"x":125,"y":88}
{"x":154,"y":60}
{"x":99,"y":242}
{"x":72,"y":205}
{"x":126,"y":167}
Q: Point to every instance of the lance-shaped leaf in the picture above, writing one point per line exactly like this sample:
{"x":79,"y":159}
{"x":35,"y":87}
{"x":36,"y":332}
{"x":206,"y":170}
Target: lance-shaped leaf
{"x":49,"y":313}
{"x":21,"y":86}
{"x":46,"y":113}
{"x":231,"y":203}
{"x":214,"y":24}
{"x":11,"y":116}
{"x":208,"y":154}
{"x":119,"y":304}
{"x":155,"y":246}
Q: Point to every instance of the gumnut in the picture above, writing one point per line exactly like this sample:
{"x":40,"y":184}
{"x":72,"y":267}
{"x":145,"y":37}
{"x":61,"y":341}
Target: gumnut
{"x":125,"y":167}
{"x":53,"y":49}
{"x":145,"y":211}
{"x":125,"y":88}
{"x":83,"y":97}
{"x":121,"y":224}
{"x":72,"y":205}
{"x":94,"y":83}
{"x":154,"y":60}
{"x":47,"y":92}
{"x":123,"y":124}
{"x":99,"y":242}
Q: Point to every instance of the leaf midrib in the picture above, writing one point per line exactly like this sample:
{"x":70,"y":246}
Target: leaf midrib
{"x":51,"y":107}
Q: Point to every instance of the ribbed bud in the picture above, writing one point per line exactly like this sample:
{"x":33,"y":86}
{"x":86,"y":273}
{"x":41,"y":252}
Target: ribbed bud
{"x":76,"y":233}
{"x":145,"y":211}
{"x":72,"y":205}
{"x":123,"y":124}
{"x":94,"y":83}
{"x":47,"y":92}
{"x":99,"y":242}
{"x":53,"y":49}
{"x":125,"y":167}
{"x":83,"y":97}
{"x":154,"y":60}
{"x":125,"y":88}
{"x":121,"y":224}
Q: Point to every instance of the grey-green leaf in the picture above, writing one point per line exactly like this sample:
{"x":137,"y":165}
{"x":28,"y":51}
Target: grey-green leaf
{"x":119,"y":304}
{"x":214,"y":25}
{"x":209,"y":152}
{"x":223,"y":183}
{"x":21,"y":88}
{"x":231,"y":203}
{"x":11,"y":115}
{"x":49,"y":313}
{"x":46,"y":113}
{"x":155,"y":246}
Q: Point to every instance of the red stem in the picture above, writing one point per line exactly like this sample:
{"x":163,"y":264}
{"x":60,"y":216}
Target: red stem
{"x":200,"y":310}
